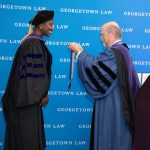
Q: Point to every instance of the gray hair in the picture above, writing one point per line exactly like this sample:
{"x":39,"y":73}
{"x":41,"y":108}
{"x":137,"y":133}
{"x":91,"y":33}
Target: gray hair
{"x":113,"y":26}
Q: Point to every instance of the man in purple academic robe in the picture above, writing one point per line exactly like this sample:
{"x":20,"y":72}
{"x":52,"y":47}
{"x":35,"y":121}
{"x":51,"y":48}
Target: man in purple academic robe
{"x":112,"y":82}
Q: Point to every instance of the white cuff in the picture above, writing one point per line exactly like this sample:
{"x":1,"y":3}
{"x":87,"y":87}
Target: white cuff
{"x":78,"y":54}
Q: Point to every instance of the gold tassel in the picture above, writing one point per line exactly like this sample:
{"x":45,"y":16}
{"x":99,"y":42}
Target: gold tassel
{"x":30,"y":31}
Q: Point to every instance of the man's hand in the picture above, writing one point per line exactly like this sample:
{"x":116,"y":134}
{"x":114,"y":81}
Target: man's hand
{"x":44,"y":101}
{"x":75,"y":47}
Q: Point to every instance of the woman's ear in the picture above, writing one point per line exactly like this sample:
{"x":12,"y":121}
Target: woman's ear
{"x":41,"y":26}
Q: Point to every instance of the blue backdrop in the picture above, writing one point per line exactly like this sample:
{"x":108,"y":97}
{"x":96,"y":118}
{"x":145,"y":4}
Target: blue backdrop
{"x":68,"y":113}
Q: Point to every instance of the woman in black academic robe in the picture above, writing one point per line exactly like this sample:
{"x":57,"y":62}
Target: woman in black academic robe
{"x":27,"y":88}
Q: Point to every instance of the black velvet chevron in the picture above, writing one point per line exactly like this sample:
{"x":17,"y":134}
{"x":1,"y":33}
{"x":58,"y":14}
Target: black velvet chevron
{"x":88,"y":72}
{"x":101,"y":76}
{"x":107,"y":69}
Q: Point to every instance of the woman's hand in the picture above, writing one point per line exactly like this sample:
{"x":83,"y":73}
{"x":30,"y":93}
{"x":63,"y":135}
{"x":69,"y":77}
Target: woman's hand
{"x":44,"y":101}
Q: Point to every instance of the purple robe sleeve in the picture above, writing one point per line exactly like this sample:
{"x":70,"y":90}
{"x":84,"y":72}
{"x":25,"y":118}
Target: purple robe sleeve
{"x":97,"y":74}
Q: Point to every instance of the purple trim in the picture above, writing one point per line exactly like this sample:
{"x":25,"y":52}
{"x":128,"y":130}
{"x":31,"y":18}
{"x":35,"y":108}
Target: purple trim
{"x":30,"y":55}
{"x":32,"y":65}
{"x":132,"y":76}
{"x":30,"y":75}
{"x":35,"y":36}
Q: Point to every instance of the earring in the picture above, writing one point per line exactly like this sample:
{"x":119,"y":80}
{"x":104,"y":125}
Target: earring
{"x":41,"y":27}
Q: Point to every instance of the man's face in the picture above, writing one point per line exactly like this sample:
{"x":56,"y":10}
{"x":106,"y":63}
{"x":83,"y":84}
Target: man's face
{"x":105,"y":37}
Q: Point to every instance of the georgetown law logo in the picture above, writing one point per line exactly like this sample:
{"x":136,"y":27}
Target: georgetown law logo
{"x":15,"y":7}
{"x":60,"y":93}
{"x":57,"y":143}
{"x":97,"y":28}
{"x":134,"y":46}
{"x":90,"y":28}
{"x":127,"y":30}
{"x":146,"y":47}
{"x":15,"y":41}
{"x":61,"y":26}
{"x":21,"y":24}
{"x":65,"y":43}
{"x":75,"y":110}
{"x":147,"y":30}
{"x":85,"y":11}
{"x":3,"y":41}
{"x":141,"y":63}
{"x":51,"y":43}
{"x":21,"y":7}
{"x":6,"y":58}
{"x":59,"y":76}
{"x":84,"y":126}
{"x":10,"y":41}
{"x":136,"y":13}
{"x":139,"y":46}
{"x":66,"y":143}
{"x":26,"y":25}
{"x":67,"y":93}
{"x":65,"y":60}
{"x":54,"y":126}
